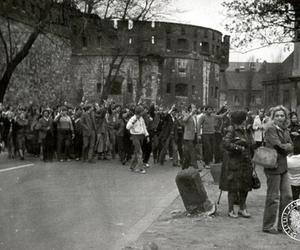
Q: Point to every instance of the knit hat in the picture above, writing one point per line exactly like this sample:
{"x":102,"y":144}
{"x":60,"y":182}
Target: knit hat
{"x":237,"y":117}
{"x":139,"y":110}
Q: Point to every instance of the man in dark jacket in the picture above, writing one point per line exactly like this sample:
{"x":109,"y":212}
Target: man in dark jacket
{"x":89,"y":133}
{"x":45,"y":136}
{"x":78,"y":140}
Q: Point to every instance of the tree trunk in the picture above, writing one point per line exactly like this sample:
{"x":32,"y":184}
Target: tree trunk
{"x":18,"y":58}
{"x":10,"y":68}
{"x":4,"y":82}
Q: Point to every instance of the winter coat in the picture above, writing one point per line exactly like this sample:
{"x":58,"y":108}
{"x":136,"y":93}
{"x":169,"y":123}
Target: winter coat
{"x":236,"y":174}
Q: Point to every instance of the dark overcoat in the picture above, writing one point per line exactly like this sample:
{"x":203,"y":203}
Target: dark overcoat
{"x":236,"y":174}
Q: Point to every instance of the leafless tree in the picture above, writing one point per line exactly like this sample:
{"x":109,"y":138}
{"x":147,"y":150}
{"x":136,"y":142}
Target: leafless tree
{"x":16,"y":46}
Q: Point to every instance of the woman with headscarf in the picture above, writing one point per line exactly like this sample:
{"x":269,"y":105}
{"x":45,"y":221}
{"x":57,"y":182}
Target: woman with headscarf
{"x":279,"y":193}
{"x":236,"y":175}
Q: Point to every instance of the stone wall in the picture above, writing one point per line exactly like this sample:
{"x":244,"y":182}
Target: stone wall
{"x":43,"y":76}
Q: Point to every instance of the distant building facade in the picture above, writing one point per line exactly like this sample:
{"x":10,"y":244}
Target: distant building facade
{"x":241,"y":85}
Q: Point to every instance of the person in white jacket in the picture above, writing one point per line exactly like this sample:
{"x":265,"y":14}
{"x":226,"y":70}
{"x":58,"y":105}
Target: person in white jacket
{"x":137,"y":127}
{"x":258,"y":127}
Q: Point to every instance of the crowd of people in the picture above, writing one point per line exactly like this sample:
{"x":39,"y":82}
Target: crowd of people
{"x":91,"y":132}
{"x":99,"y":131}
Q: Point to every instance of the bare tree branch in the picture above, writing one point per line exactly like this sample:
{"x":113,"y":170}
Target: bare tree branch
{"x":260,"y":47}
{"x":9,"y":39}
{"x":126,"y":9}
{"x":5,"y":46}
{"x":107,"y":8}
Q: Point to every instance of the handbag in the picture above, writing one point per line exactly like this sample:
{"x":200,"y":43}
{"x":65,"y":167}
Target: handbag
{"x":266,"y":157}
{"x":255,"y":180}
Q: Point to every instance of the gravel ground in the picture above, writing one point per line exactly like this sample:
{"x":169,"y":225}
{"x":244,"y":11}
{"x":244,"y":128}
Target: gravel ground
{"x":174,"y":230}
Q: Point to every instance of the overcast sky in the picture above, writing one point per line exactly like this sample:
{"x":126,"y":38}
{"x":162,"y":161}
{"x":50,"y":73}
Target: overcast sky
{"x":210,"y":13}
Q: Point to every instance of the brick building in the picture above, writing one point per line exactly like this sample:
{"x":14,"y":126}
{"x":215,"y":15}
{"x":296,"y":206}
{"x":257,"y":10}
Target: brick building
{"x":156,"y":61}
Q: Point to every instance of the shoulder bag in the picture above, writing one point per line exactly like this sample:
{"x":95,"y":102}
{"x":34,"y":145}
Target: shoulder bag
{"x":266,"y":157}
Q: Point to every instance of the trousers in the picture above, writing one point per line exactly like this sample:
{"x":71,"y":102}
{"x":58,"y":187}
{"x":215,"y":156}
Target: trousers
{"x":279,"y":195}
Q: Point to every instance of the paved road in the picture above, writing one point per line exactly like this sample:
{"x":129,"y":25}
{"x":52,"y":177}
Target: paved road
{"x":75,"y":205}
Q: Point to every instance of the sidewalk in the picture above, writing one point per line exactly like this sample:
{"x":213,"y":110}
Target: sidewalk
{"x":173,"y":230}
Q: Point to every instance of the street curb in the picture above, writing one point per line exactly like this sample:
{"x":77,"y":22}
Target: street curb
{"x":142,"y":225}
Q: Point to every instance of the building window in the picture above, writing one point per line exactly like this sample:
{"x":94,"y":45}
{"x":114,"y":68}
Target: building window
{"x":218,"y":50}
{"x":84,"y":41}
{"x":252,"y":101}
{"x":182,"y":44}
{"x":286,"y":97}
{"x":168,"y":29}
{"x":236,"y":100}
{"x":216,"y":92}
{"x":182,"y":31}
{"x":205,"y":33}
{"x":213,"y":36}
{"x":193,"y":89}
{"x":153,"y":39}
{"x":258,"y":100}
{"x":116,"y":87}
{"x":129,"y":86}
{"x":168,"y":91}
{"x":195,"y":45}
{"x":182,"y":72}
{"x":181,"y":89}
{"x":99,"y":41}
{"x":182,"y":65}
{"x":168,"y":43}
{"x":205,"y":47}
{"x":99,"y":87}
{"x":195,"y":33}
